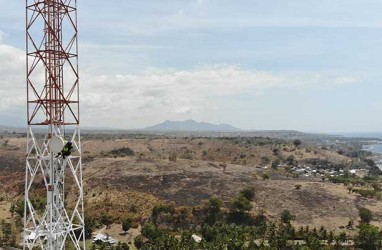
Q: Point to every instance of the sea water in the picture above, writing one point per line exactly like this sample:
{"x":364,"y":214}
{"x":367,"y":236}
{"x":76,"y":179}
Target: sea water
{"x":377,"y":149}
{"x":374,"y":148}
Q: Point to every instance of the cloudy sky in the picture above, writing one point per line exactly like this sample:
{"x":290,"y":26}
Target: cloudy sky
{"x":256,"y":64}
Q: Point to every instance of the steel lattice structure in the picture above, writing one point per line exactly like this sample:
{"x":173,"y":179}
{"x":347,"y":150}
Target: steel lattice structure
{"x":53,"y":113}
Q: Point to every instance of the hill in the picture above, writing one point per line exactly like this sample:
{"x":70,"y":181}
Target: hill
{"x":191,"y":125}
{"x":136,"y":175}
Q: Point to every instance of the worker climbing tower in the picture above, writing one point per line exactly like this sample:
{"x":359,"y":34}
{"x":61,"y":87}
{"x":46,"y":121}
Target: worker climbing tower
{"x":53,"y":212}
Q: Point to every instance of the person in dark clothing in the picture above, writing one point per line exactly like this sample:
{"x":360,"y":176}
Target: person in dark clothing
{"x":67,"y":150}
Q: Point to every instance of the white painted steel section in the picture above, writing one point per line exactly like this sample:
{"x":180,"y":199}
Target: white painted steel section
{"x":61,"y":222}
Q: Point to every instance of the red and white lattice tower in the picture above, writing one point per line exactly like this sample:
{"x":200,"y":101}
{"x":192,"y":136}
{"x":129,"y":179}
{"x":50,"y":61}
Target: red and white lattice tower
{"x":54,"y":211}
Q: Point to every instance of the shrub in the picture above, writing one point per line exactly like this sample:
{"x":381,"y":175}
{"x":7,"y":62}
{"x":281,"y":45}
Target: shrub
{"x":150,"y":231}
{"x":291,"y":160}
{"x":138,"y":242}
{"x":248,"y":193}
{"x":265,"y":159}
{"x":241,"y":204}
{"x":121,"y":152}
{"x":172,"y":157}
{"x":365,"y":215}
{"x":163,"y":208}
{"x":266,"y":176}
{"x":286,"y":216}
{"x":276,"y":163}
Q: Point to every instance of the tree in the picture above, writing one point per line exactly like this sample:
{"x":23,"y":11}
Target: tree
{"x":260,"y":221}
{"x":124,"y":246}
{"x":138,"y":242}
{"x":337,"y":241}
{"x":214,"y":210}
{"x":313,"y":242}
{"x":323,"y":233}
{"x":350,"y":225}
{"x":330,"y":238}
{"x":241,"y":204}
{"x":18,"y":208}
{"x":12,"y":209}
{"x":150,"y":231}
{"x":342,"y":237}
{"x":297,"y":143}
{"x":368,"y":237}
{"x":93,"y":247}
{"x":106,"y":220}
{"x":291,"y":161}
{"x":126,"y":224}
{"x":188,"y":241}
{"x":89,"y":225}
{"x":276,"y":151}
{"x":275,"y":164}
{"x":240,"y":207}
{"x":365,"y":215}
{"x":287,"y":216}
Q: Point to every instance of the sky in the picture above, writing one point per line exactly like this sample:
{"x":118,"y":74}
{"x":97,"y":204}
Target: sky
{"x":304,"y":65}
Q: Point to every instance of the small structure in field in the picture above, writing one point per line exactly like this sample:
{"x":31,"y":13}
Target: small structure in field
{"x":101,"y":238}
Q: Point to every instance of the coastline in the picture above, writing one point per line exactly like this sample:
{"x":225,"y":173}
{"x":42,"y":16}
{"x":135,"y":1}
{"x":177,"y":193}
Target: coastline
{"x":378,"y":160}
{"x":376,"y":149}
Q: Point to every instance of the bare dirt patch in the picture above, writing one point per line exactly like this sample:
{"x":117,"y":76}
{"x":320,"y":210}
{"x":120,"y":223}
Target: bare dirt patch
{"x":4,"y":211}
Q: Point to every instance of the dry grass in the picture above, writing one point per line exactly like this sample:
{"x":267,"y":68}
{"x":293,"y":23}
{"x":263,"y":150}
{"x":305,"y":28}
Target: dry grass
{"x":130,"y":186}
{"x":119,"y":204}
{"x":4,"y":211}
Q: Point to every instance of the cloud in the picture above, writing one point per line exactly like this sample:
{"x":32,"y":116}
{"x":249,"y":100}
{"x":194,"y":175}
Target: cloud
{"x":118,"y":99}
{"x":344,"y":80}
{"x":200,"y":14}
{"x":172,"y":93}
{"x":119,"y":47}
{"x":12,"y":76}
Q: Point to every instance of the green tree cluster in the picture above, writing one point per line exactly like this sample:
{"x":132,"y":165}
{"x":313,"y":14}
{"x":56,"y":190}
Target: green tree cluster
{"x":369,"y":237}
{"x":365,"y":215}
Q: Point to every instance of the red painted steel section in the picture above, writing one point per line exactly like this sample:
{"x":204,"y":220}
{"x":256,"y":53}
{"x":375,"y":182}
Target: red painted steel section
{"x":52,"y":62}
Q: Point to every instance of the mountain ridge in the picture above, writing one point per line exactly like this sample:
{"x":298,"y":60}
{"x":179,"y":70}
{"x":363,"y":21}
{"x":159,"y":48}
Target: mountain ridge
{"x":191,"y":125}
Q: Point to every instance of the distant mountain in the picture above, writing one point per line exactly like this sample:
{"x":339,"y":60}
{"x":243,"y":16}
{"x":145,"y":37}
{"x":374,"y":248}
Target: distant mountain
{"x":191,"y":125}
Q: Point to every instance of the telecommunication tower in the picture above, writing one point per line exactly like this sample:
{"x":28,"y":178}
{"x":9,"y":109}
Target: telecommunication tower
{"x":53,"y":209}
